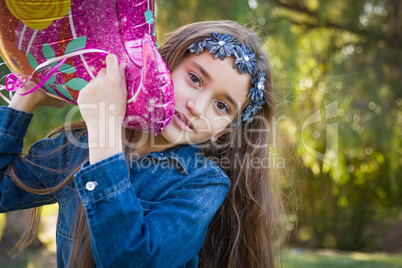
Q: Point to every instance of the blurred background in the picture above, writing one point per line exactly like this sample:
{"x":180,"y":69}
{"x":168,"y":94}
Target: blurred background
{"x":338,"y":127}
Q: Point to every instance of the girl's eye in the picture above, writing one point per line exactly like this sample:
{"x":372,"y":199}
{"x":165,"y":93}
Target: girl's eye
{"x":222,"y":107}
{"x":195,"y":79}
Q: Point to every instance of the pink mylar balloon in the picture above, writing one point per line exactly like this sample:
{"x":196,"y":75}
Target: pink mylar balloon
{"x":75,"y":36}
{"x":151,"y":83}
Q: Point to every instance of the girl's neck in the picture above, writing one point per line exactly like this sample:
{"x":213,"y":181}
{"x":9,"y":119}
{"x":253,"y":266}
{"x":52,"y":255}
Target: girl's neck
{"x":150,"y":143}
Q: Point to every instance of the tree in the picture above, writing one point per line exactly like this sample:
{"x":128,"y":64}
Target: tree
{"x":345,"y":52}
{"x":329,"y":52}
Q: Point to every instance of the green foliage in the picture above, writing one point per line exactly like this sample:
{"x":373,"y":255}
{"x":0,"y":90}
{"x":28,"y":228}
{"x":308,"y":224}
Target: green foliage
{"x":332,"y":259}
{"x":324,"y":52}
{"x":48,"y":118}
{"x":346,"y":53}
{"x":321,"y":52}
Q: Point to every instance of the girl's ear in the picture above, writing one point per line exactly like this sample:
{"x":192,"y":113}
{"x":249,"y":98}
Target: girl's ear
{"x":214,"y":138}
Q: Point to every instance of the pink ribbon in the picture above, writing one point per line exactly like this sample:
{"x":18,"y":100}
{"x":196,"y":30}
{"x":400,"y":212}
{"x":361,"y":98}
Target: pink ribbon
{"x":45,"y":78}
{"x":13,"y":82}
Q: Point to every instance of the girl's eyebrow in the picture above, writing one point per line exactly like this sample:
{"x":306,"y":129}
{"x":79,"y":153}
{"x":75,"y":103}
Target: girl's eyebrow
{"x":202,"y":70}
{"x":209,"y":77}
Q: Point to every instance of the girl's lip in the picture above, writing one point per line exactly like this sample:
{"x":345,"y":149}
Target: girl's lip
{"x":183,"y":121}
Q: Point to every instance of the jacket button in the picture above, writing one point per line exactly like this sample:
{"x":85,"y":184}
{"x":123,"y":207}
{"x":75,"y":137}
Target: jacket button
{"x":90,"y":185}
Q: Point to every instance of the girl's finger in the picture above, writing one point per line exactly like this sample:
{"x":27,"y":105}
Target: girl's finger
{"x":122,"y":70}
{"x":102,"y":72}
{"x":112,"y":66}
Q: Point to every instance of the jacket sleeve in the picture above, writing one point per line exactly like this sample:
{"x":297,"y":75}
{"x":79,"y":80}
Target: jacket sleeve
{"x":13,"y":128}
{"x":169,"y":234}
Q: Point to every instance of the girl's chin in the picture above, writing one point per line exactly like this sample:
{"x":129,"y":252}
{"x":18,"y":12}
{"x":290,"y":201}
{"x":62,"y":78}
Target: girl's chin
{"x":175,"y":135}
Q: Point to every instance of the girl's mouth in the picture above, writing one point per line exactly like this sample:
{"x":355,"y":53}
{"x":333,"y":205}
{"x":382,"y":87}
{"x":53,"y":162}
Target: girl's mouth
{"x":183,"y":118}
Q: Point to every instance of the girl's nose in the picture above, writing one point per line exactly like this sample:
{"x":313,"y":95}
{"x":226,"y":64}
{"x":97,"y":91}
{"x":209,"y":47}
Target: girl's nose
{"x":197,"y":105}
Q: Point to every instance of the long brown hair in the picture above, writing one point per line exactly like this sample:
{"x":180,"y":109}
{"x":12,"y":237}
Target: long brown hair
{"x":241,"y":233}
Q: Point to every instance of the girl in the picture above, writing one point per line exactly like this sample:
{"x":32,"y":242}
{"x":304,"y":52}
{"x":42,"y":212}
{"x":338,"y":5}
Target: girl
{"x":190,"y":197}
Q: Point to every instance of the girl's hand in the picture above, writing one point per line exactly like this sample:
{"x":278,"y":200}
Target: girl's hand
{"x":103,"y":106}
{"x":30,"y":102}
{"x":104,"y":96}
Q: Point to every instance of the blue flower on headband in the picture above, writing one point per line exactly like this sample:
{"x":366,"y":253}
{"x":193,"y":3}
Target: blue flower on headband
{"x":221,"y":45}
{"x":245,"y":59}
{"x":252,"y":110}
{"x":197,"y":47}
{"x":257,"y":89}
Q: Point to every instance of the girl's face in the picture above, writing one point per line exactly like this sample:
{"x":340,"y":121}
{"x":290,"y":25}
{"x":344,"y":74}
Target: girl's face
{"x":209,"y":95}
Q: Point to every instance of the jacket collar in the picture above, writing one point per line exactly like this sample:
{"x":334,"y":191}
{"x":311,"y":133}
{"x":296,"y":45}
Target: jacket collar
{"x":185,"y":155}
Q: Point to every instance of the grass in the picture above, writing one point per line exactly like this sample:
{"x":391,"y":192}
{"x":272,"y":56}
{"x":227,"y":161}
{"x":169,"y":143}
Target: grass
{"x":292,"y":259}
{"x":42,"y":258}
{"x":333,"y":259}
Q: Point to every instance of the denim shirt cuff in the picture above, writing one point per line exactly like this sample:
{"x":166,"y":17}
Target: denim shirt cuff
{"x":13,"y":128}
{"x":106,"y":177}
{"x":13,"y":122}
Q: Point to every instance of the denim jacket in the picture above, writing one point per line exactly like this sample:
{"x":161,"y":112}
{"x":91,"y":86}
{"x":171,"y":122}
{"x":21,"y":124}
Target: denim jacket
{"x":150,"y":211}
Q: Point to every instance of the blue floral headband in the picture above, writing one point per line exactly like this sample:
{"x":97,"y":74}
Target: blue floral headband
{"x":225,"y":45}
